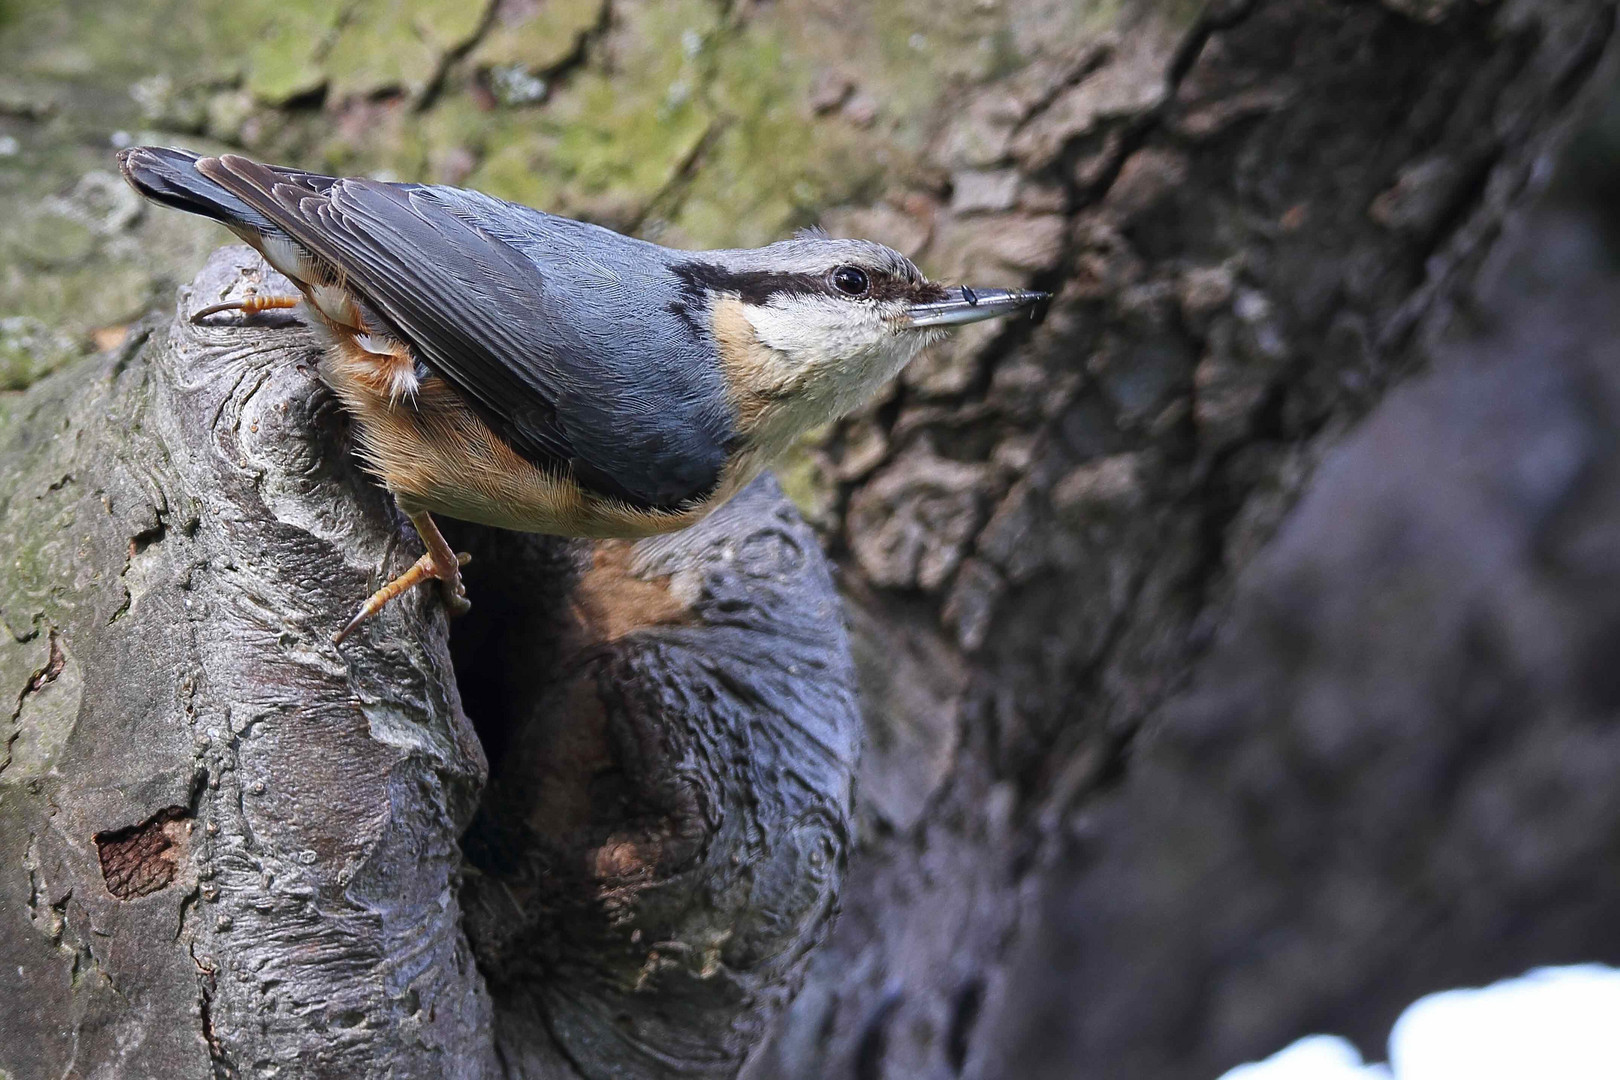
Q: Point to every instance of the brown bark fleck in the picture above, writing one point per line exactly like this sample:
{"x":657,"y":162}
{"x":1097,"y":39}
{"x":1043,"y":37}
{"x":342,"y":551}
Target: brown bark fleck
{"x":141,"y":859}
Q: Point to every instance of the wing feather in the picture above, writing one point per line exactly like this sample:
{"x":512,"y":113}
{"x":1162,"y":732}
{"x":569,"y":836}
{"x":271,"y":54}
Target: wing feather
{"x":485,"y":317}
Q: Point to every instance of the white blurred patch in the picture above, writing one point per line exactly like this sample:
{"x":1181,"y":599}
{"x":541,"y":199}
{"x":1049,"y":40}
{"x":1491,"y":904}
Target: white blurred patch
{"x":1554,"y":1022}
{"x":1315,"y":1057}
{"x":1559,"y":1023}
{"x":403,"y":383}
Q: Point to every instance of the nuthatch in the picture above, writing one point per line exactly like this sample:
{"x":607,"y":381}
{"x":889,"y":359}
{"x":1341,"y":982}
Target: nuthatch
{"x":510,"y":367}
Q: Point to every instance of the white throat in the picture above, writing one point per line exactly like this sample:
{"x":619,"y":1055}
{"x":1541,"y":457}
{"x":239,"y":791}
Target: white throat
{"x":832,"y":354}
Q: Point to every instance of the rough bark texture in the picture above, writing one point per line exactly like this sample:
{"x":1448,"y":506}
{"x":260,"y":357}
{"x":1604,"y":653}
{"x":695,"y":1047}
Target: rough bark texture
{"x":1395,"y":771}
{"x":1256,"y":217}
{"x":668,"y":823}
{"x":231,"y":847}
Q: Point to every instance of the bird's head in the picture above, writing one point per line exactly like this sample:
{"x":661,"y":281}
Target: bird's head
{"x":809,"y":328}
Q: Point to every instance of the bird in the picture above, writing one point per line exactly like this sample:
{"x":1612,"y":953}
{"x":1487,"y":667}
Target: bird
{"x":515,"y":368}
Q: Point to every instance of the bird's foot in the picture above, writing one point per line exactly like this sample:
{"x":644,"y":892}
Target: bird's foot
{"x":424,"y":569}
{"x":438,"y":549}
{"x":249,"y":306}
{"x":453,"y":589}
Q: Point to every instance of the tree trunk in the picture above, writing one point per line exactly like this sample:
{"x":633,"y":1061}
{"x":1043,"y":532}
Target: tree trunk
{"x":231,"y":849}
{"x":1259,"y":225}
{"x":1395,"y":771}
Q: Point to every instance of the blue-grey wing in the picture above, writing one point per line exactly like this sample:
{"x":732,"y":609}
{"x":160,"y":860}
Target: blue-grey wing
{"x":562,"y":343}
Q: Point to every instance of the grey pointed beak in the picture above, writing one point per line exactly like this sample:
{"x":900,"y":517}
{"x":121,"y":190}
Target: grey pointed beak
{"x":965,"y":305}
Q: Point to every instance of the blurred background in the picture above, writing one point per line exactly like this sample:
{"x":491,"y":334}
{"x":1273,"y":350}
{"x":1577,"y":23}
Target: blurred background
{"x":1240,"y":661}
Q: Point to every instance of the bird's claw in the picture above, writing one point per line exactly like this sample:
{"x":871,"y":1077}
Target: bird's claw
{"x":451,"y":588}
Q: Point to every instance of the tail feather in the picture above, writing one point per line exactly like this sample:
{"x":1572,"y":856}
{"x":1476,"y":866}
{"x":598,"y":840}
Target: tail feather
{"x":170,"y":177}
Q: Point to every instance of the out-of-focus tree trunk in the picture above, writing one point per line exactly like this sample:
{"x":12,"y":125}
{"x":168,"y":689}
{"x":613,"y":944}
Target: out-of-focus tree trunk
{"x":1394,"y":773}
{"x":1255,"y":218}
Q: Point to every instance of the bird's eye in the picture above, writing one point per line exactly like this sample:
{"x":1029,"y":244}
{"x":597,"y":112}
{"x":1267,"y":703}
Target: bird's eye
{"x":851,"y":281}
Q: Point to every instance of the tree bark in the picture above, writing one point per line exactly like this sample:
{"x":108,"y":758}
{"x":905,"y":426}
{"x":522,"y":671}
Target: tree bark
{"x":1394,"y":773}
{"x":231,"y":848}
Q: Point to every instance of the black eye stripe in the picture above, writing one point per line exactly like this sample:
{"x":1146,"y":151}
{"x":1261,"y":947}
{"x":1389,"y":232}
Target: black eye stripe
{"x":760,"y":286}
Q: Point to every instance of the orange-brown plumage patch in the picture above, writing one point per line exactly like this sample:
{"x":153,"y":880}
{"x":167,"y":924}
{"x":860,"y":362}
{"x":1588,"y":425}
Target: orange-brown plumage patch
{"x":379,"y":361}
{"x":611,"y":599}
{"x":436,"y":454}
{"x":750,"y":367}
{"x":383,"y":364}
